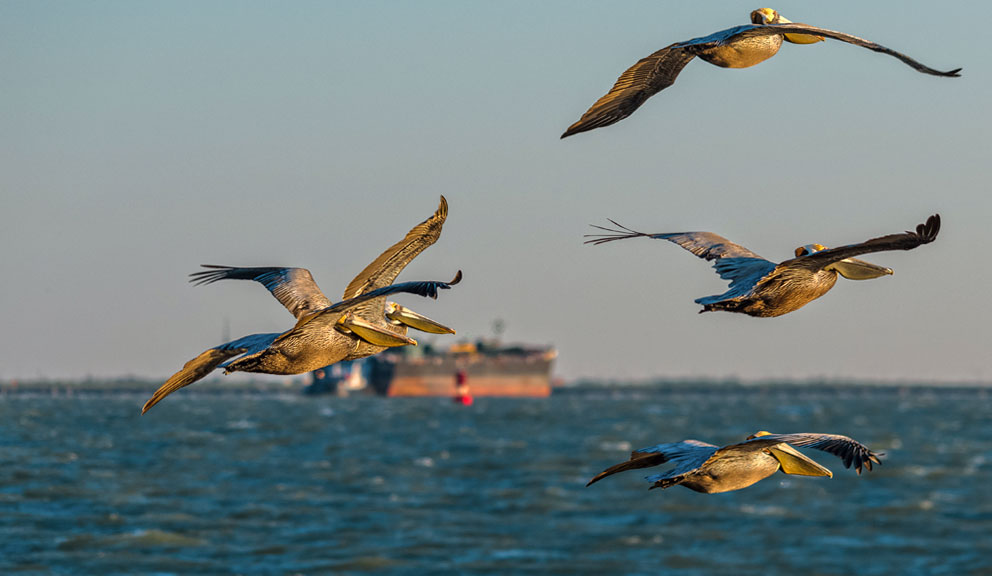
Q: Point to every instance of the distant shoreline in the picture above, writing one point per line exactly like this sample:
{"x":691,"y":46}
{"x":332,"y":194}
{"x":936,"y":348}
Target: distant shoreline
{"x":145,"y":386}
{"x":734,"y":383}
{"x":296,"y":386}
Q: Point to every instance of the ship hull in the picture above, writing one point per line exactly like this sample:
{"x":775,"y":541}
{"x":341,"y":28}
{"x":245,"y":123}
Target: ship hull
{"x":486,"y":376}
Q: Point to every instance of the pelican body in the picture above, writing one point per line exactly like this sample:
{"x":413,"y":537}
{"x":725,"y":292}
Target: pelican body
{"x":706,"y":468}
{"x":737,"y":47}
{"x":361,"y":325}
{"x":764,"y":289}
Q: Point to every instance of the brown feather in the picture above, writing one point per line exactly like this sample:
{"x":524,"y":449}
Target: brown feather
{"x":192,"y":371}
{"x":637,"y":460}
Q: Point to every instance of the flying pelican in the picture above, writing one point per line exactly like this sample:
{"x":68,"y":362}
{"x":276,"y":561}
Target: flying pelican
{"x":737,"y":47}
{"x":707,"y":468}
{"x":361,"y":325}
{"x":765,"y":289}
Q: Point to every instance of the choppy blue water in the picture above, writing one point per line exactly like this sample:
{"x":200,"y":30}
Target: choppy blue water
{"x":362,"y":485}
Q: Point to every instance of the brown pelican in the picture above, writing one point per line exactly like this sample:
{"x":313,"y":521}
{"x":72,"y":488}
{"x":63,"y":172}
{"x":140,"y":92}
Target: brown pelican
{"x":765,"y":289}
{"x":707,"y":468}
{"x":738,"y":47}
{"x":361,"y":325}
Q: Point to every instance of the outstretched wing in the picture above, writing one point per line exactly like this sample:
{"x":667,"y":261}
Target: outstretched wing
{"x":425,"y":288}
{"x":384,"y":269}
{"x":687,"y":456}
{"x":293,"y":287}
{"x":733,"y":262}
{"x":925,"y":233}
{"x":796,"y":28}
{"x":847,"y":449}
{"x":641,"y":81}
{"x":206,"y":362}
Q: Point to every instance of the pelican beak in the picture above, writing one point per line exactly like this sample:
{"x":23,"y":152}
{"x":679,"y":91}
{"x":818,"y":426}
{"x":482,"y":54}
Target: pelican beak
{"x":795,"y":462}
{"x":371,"y":333}
{"x":854,"y":269}
{"x":400,"y":315}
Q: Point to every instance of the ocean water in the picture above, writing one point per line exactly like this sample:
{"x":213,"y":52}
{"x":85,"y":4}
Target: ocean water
{"x":269,"y":484}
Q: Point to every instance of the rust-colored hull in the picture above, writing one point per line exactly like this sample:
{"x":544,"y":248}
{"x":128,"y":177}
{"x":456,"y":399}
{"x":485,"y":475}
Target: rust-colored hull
{"x":520,"y":374}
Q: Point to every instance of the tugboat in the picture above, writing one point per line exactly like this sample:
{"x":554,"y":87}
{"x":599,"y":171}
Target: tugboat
{"x":341,"y":379}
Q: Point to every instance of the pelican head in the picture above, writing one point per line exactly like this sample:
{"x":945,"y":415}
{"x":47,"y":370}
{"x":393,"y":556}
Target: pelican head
{"x":768,"y":16}
{"x":399,"y":315}
{"x":850,"y":268}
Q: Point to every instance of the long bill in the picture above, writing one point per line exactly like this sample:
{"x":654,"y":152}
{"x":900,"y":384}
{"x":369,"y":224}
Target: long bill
{"x":401,"y":315}
{"x":854,"y":269}
{"x":795,"y":462}
{"x":371,"y":333}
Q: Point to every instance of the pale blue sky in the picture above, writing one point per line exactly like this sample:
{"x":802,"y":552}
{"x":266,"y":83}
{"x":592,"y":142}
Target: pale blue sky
{"x":141,"y":139}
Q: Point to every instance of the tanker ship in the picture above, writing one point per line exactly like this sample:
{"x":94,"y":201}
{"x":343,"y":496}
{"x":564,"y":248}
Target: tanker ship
{"x":483,"y":368}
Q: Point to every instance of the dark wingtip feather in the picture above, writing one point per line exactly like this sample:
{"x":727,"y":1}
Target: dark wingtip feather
{"x":620,"y":233}
{"x":585,"y":125}
{"x":215,"y":273}
{"x":573,"y":129}
{"x":865,"y":460}
{"x":927,"y":232}
{"x":956,"y":73}
{"x":431,"y":288}
{"x":872,"y":457}
{"x":578,"y":127}
{"x":442,"y":208}
{"x":933,"y":227}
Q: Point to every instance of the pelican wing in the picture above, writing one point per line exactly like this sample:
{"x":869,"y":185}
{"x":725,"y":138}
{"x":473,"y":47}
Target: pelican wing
{"x":687,"y":456}
{"x":847,"y":449}
{"x":293,"y":287}
{"x":733,"y":262}
{"x":646,"y":78}
{"x":641,"y":81}
{"x":206,"y":362}
{"x":925,"y":233}
{"x":796,"y":28}
{"x":319,"y":319}
{"x":384,"y":269}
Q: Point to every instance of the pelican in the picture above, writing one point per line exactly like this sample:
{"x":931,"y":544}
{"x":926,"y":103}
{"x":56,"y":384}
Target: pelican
{"x":361,"y":325}
{"x":764,"y":289}
{"x":709,"y":469}
{"x":737,"y":47}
